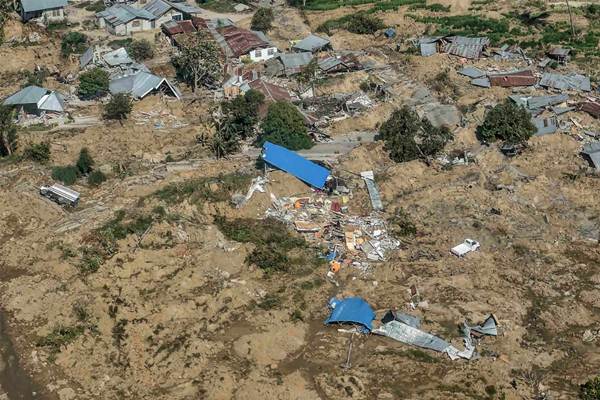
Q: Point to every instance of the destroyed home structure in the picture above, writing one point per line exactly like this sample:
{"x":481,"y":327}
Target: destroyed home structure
{"x":429,"y":46}
{"x":172,"y":29}
{"x":513,"y":79}
{"x":141,"y":84}
{"x":36,"y":100}
{"x":572,"y":81}
{"x":43,"y":10}
{"x":337,"y":64}
{"x":313,"y":44}
{"x":466,"y":47}
{"x":287,"y":64}
{"x":560,"y":54}
{"x":591,"y":107}
{"x":240,"y":43}
{"x":591,"y":151}
{"x":123,"y":19}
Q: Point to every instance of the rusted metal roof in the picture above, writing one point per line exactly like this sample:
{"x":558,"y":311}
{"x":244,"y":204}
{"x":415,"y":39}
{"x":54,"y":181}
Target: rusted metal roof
{"x":511,"y":79}
{"x":591,"y":107}
{"x":172,"y":28}
{"x":242,"y":41}
{"x":272,"y":92}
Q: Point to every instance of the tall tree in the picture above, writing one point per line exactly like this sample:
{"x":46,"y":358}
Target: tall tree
{"x":198,"y":61}
{"x":284,"y":125}
{"x":506,"y":121}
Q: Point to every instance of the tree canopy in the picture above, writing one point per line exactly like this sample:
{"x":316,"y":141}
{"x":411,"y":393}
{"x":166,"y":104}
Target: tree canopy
{"x":8,"y":131}
{"x":284,"y":125}
{"x":141,"y":50}
{"x":198,"y":61}
{"x":93,"y":83}
{"x":508,"y":122}
{"x":73,"y":43}
{"x":407,"y":137}
{"x":118,"y":107}
{"x":262,"y":19}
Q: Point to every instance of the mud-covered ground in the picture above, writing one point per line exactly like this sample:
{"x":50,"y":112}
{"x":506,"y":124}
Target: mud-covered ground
{"x":140,"y":292}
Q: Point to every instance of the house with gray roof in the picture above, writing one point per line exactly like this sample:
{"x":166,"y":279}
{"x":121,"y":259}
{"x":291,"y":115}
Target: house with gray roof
{"x":36,"y":100}
{"x":123,"y":19}
{"x":312,"y":43}
{"x":287,"y":63}
{"x":46,"y":10}
{"x":141,"y":84}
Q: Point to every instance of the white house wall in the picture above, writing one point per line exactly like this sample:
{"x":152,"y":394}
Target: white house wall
{"x":263,"y":54}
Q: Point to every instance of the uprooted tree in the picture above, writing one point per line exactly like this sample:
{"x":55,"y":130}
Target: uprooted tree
{"x":508,"y":122}
{"x":8,"y":131}
{"x":198,"y":61}
{"x":408,"y":137}
{"x":239,"y":116}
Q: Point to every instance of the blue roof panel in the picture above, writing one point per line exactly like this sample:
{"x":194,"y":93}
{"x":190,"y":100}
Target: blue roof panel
{"x":296,"y":165}
{"x":352,"y":310}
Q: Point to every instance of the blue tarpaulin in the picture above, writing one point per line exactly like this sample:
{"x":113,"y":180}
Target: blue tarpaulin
{"x":294,"y":164}
{"x":351,"y":310}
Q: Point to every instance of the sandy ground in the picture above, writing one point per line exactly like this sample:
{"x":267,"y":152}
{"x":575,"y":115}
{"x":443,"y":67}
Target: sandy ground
{"x":178,"y":313}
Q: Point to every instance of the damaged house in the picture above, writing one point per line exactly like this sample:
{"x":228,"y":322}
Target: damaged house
{"x":141,"y":84}
{"x":337,"y":64}
{"x":287,"y":64}
{"x":240,"y":43}
{"x":45,"y":10}
{"x":572,"y":81}
{"x":313,"y":44}
{"x":466,"y":47}
{"x":36,"y":100}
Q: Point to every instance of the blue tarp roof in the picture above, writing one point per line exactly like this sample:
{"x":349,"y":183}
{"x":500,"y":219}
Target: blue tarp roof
{"x":352,"y":310}
{"x":294,"y":164}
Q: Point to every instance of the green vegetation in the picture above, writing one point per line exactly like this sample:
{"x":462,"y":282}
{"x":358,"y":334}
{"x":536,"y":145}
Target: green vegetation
{"x":140,"y":50}
{"x":240,"y":116}
{"x":284,"y":125}
{"x":8,"y":131}
{"x":85,"y":162}
{"x":590,"y":390}
{"x":93,"y":83}
{"x":401,"y":224}
{"x":201,"y":190}
{"x":409,"y":138}
{"x":73,"y":43}
{"x":119,"y":107}
{"x":96,"y":178}
{"x":262,"y":20}
{"x":277,"y":250}
{"x":222,"y":6}
{"x":506,"y":121}
{"x":37,"y":77}
{"x":39,"y":152}
{"x":269,"y":302}
{"x":66,"y":174}
{"x":360,"y":23}
{"x":118,"y":43}
{"x":198,"y":61}
{"x":92,"y":6}
{"x":324,"y":5}
{"x":435,"y":7}
{"x":59,"y":337}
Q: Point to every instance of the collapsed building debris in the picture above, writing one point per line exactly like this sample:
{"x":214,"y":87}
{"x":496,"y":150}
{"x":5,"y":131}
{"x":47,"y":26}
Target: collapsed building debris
{"x":141,"y":84}
{"x":313,"y":44}
{"x":572,"y":81}
{"x":369,"y":179}
{"x":466,"y":47}
{"x":592,"y":152}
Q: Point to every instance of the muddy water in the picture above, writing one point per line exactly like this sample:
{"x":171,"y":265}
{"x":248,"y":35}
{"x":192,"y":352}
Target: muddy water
{"x":14,"y":381}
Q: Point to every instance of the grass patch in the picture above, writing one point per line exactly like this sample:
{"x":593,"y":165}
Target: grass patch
{"x":59,"y":337}
{"x":401,"y":224}
{"x":61,"y":25}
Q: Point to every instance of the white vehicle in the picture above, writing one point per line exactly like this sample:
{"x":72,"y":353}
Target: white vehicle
{"x":465,"y":247}
{"x":60,"y":194}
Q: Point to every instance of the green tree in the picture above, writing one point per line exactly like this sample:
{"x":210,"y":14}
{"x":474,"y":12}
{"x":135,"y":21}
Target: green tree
{"x":362,"y":24}
{"x":8,"y":131}
{"x":262,"y":20}
{"x":95,"y":178}
{"x":508,"y":122}
{"x":590,"y":390}
{"x":67,"y":174}
{"x":85,"y":162}
{"x":119,"y":107}
{"x":73,"y":43}
{"x":407,"y":137}
{"x":284,"y":125}
{"x":198,"y":61}
{"x":141,"y":50}
{"x":39,"y":152}
{"x":93,"y":83}
{"x":242,"y":112}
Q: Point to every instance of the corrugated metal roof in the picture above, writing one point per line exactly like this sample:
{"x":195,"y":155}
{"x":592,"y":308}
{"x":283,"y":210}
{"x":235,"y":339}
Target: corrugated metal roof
{"x":472,"y":72}
{"x":122,"y":13}
{"x":160,"y":7}
{"x":559,"y":52}
{"x":293,"y":61}
{"x":272,"y":92}
{"x":172,"y":28}
{"x":117,"y":57}
{"x":591,"y":107}
{"x":38,"y":5}
{"x":329,"y":63}
{"x":52,"y":101}
{"x":566,"y":82}
{"x":140,"y":84}
{"x":296,"y":165}
{"x":466,"y":47}
{"x":538,"y":102}
{"x":242,"y":41}
{"x":544,"y":126}
{"x":311,"y":43}
{"x":592,"y":150}
{"x":511,"y":79}
{"x":28,"y":95}
{"x":86,"y":57}
{"x":428,"y":49}
{"x":481,"y":82}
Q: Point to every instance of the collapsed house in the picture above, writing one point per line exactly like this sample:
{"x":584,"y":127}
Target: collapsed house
{"x":245,"y":43}
{"x":513,"y":79}
{"x":312,"y":44}
{"x":172,"y":29}
{"x":560,"y":54}
{"x":337,"y":64}
{"x":287,"y":64}
{"x":461,"y":46}
{"x":141,"y":84}
{"x":572,"y":81}
{"x":592,"y":152}
{"x":591,"y":107}
{"x":123,"y":19}
{"x":36,"y":100}
{"x":44,"y":10}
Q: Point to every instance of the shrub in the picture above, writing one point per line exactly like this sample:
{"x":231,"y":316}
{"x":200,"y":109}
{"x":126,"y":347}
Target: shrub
{"x":8,"y":131}
{"x":85,"y":162}
{"x":590,"y":390}
{"x":409,"y":138}
{"x":93,"y":83}
{"x":284,"y":125}
{"x":141,"y":50}
{"x":262,"y":19}
{"x":67,"y":174}
{"x":360,"y":23}
{"x":508,"y":122}
{"x":119,"y":107}
{"x":400,"y":224}
{"x":73,"y":43}
{"x":39,"y":152}
{"x":95,"y":178}
{"x":37,"y":77}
